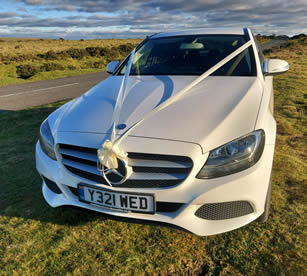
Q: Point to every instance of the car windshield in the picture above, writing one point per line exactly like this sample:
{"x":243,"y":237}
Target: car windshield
{"x":191,"y":55}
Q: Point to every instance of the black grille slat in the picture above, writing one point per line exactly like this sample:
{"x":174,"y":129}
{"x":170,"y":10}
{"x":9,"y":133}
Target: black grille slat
{"x":77,"y":148}
{"x":162,"y":157}
{"x":161,"y":170}
{"x":172,"y":169}
{"x":136,"y":183}
{"x":83,"y":161}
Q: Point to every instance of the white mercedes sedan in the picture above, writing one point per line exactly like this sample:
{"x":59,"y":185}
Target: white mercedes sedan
{"x":182,"y":132}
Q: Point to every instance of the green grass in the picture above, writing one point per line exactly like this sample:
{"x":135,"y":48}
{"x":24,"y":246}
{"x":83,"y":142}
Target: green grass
{"x":12,"y":49}
{"x":15,"y":52}
{"x":36,"y":239}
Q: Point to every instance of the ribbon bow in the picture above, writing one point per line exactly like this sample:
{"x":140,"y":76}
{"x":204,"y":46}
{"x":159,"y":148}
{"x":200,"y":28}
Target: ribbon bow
{"x":109,"y":153}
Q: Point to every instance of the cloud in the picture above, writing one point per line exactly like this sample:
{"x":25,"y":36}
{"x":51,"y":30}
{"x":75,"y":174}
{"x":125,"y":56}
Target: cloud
{"x":7,"y":15}
{"x":128,"y":18}
{"x":22,"y":9}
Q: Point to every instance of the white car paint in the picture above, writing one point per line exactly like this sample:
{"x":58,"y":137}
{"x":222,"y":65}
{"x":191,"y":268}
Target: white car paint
{"x":241,"y":97}
{"x":215,"y":112}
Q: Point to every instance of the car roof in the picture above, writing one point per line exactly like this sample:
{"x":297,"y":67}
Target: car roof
{"x":204,"y":31}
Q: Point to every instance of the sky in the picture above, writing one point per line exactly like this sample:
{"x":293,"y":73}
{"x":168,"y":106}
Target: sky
{"x":91,"y":19}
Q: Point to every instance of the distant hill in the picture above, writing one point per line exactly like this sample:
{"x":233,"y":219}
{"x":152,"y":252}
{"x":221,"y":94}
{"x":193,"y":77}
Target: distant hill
{"x":299,"y":36}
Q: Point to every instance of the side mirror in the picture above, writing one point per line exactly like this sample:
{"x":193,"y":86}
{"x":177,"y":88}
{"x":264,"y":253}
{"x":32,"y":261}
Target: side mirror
{"x":275,"y":66}
{"x":111,"y":67}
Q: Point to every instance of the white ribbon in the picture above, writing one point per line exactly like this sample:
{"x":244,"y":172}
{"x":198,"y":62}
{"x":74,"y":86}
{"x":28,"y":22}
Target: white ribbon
{"x":109,"y":152}
{"x":110,"y":149}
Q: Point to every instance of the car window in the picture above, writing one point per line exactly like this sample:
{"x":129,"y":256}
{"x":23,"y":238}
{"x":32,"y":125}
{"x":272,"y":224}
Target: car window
{"x":191,"y":55}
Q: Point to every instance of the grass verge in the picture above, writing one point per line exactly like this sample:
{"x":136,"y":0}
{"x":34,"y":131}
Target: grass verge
{"x":27,"y":60}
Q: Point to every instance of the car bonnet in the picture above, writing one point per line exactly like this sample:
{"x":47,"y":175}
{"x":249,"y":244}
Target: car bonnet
{"x":215,"y":111}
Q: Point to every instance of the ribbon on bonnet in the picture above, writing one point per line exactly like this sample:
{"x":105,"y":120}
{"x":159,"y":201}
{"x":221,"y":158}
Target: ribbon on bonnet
{"x":110,"y":150}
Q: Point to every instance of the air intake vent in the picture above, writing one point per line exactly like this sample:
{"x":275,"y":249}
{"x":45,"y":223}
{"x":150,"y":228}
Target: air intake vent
{"x":224,"y":210}
{"x":149,"y":170}
{"x":52,"y":185}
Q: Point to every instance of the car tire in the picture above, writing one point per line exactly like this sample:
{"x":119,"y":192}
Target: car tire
{"x":265,"y":215}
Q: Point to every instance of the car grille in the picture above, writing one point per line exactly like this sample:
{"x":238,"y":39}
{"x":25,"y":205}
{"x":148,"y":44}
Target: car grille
{"x":149,"y":170}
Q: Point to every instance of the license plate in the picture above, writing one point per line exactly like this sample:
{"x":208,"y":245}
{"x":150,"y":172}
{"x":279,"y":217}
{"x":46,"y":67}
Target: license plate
{"x":142,"y":203}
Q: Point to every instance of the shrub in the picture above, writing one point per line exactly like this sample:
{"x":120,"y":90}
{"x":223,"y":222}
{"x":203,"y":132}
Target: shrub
{"x":62,"y":55}
{"x":5,"y":59}
{"x":125,"y":49}
{"x":94,"y":51}
{"x":88,"y":64}
{"x":72,"y":67}
{"x":94,"y":64}
{"x":98,"y":64}
{"x":268,"y":51}
{"x":50,"y":55}
{"x":104,"y":52}
{"x":113,"y":54}
{"x":8,"y":59}
{"x":51,"y":67}
{"x":26,"y":71}
{"x":76,"y":53}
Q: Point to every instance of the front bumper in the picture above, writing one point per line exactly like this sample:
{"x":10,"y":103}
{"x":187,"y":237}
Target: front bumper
{"x":250,"y":185}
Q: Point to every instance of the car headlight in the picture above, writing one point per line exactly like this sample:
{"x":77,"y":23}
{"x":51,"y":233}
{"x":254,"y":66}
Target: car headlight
{"x":46,"y":140}
{"x":235,"y":156}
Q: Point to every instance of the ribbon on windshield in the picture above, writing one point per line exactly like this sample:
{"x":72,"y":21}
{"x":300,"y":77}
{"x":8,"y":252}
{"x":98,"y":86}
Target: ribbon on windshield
{"x":110,"y":150}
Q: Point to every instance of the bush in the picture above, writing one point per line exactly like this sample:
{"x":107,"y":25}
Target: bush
{"x":94,"y":64}
{"x":98,"y":64}
{"x":95,"y":51}
{"x":286,"y":45}
{"x":113,"y":54}
{"x":26,"y":71}
{"x":77,"y":53}
{"x":50,"y":55}
{"x":104,"y":52}
{"x":51,"y":67}
{"x":8,"y":59}
{"x":62,"y":55}
{"x":268,"y":51}
{"x":72,"y":67}
{"x":125,"y":49}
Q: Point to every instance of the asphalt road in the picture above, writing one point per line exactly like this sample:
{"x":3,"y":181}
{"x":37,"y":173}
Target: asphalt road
{"x":273,"y":43}
{"x":21,"y":96}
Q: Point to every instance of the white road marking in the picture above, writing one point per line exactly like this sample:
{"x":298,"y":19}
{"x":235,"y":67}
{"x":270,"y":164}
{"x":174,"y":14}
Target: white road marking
{"x":41,"y":89}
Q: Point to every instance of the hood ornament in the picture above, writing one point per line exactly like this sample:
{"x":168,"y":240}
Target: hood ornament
{"x":113,"y":164}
